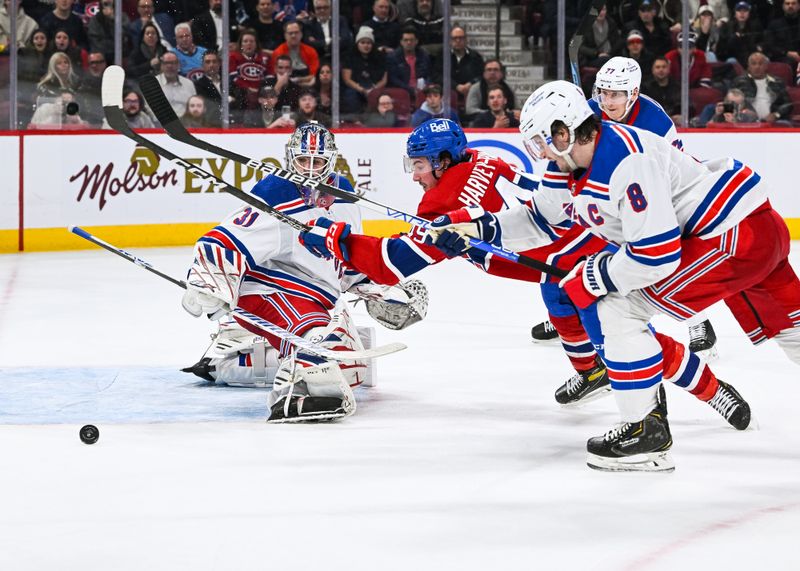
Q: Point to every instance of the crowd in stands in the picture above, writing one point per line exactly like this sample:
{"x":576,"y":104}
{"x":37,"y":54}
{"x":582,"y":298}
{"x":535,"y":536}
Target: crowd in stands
{"x":744,"y":60}
{"x":744,"y":56}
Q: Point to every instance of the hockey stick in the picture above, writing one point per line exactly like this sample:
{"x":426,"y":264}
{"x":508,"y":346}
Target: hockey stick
{"x":577,"y":39}
{"x":113,"y":81}
{"x":166,"y":115}
{"x":296,"y":340}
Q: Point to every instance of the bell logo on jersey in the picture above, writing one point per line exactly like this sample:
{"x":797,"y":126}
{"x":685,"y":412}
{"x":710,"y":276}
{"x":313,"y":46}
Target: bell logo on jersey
{"x":440,"y":127}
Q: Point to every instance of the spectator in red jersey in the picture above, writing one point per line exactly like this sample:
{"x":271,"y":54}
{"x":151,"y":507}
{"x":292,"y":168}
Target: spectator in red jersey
{"x":699,"y":70}
{"x":248,"y":67}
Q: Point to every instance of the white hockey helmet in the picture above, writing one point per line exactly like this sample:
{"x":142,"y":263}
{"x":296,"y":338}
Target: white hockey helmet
{"x":618,"y":74}
{"x":555,"y":101}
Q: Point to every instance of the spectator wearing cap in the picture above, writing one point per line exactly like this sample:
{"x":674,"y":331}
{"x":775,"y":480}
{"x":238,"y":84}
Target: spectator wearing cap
{"x":270,"y":114}
{"x":699,"y":70}
{"x":600,"y":41}
{"x":654,"y":30}
{"x":385,"y":27}
{"x":782,"y":38}
{"x":493,"y":76}
{"x":362,"y":71}
{"x":307,"y":110}
{"x":767,"y":94}
{"x":635,"y":49}
{"x":707,"y":32}
{"x":432,"y":107}
{"x":740,"y":36}
{"x":663,"y":89}
{"x":304,"y":58}
{"x":409,"y":65}
{"x":497,"y":116}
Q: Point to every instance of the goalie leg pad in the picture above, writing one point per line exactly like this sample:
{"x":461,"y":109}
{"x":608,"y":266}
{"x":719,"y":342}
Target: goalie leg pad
{"x":309,"y":393}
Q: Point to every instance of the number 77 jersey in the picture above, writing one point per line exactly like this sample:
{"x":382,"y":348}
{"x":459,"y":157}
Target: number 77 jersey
{"x":644,"y":195}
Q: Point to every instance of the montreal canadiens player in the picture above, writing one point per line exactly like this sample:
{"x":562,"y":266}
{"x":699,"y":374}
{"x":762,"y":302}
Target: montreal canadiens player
{"x":688,"y":233}
{"x":253,"y":261}
{"x":452,"y":175}
{"x":616,"y":97}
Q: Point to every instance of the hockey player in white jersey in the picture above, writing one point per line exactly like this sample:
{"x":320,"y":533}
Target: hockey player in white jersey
{"x":254,"y":261}
{"x":689,"y":234}
{"x":616,"y":97}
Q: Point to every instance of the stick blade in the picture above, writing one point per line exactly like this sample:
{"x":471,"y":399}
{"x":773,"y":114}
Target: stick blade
{"x":157,"y":101}
{"x":113,"y":83}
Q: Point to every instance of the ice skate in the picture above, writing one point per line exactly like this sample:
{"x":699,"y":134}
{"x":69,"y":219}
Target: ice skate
{"x":731,"y":406}
{"x":635,"y":446}
{"x":544,"y":333}
{"x":703,"y":341}
{"x":584,"y":387}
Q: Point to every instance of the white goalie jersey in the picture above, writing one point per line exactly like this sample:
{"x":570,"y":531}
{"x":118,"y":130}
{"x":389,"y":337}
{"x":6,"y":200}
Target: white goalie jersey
{"x":268,"y":251}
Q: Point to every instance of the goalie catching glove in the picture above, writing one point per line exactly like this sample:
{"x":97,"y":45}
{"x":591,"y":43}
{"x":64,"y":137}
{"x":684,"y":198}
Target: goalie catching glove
{"x":212,"y":285}
{"x":589,"y":280}
{"x":449,"y":232}
{"x":395,"y":307}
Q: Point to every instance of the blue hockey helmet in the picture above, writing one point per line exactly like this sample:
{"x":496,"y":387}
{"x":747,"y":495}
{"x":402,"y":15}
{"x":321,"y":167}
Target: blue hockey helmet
{"x":432,"y":138}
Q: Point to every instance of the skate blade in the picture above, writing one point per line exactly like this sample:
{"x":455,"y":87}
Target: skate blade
{"x":709,"y":355}
{"x":310,"y":418}
{"x":553,"y":342}
{"x":593,"y":396}
{"x":651,"y":462}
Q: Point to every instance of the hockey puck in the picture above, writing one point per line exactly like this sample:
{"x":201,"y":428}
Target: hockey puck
{"x":89,"y":434}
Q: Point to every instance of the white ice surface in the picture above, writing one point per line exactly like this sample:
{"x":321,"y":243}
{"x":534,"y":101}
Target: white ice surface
{"x":459,"y":459}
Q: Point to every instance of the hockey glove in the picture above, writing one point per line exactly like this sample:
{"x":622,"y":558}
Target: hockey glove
{"x":197,"y":302}
{"x":449,"y":232}
{"x":325,"y":239}
{"x":589,"y":280}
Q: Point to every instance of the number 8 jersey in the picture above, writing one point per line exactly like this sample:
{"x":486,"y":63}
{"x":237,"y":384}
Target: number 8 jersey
{"x":644,"y":195}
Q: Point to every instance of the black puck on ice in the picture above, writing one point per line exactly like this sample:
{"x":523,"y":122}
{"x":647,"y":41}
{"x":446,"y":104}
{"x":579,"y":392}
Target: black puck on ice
{"x":89,"y":434}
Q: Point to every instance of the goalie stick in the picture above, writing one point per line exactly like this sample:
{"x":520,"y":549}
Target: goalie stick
{"x":166,"y":115}
{"x":577,"y":39}
{"x":296,"y":340}
{"x":113,"y":81}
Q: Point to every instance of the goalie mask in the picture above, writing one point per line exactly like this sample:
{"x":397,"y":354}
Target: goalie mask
{"x":311,"y":151}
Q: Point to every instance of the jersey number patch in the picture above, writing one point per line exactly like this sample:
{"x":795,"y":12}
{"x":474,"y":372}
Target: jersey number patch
{"x":636,"y":197}
{"x":247,"y":218}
